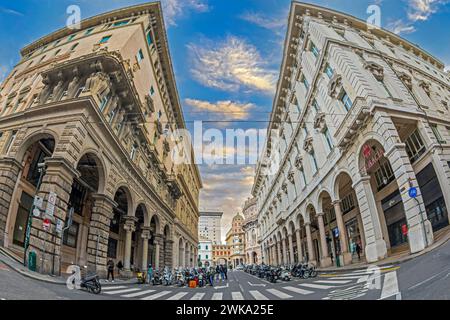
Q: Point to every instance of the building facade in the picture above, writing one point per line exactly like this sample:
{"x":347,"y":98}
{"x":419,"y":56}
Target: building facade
{"x":251,"y":233}
{"x":87,"y":120}
{"x":209,"y":226}
{"x":205,"y":252}
{"x":364,"y":155}
{"x":235,"y":240}
{"x":221,"y":254}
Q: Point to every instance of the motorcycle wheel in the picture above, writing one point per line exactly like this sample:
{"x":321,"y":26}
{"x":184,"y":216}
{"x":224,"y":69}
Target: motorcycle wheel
{"x":96,"y":288}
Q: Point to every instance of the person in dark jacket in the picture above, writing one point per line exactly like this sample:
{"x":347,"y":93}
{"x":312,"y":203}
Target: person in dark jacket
{"x":358,"y":250}
{"x":225,"y":271}
{"x":110,"y":266}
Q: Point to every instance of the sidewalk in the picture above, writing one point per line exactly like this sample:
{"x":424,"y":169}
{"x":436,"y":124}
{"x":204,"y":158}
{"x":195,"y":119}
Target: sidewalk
{"x":61,"y":280}
{"x":396,"y":259}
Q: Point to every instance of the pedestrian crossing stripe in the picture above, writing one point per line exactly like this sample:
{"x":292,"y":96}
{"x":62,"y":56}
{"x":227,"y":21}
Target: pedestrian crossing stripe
{"x":333,"y":281}
{"x":198,"y":296}
{"x":258,"y":295}
{"x":237,"y":296}
{"x":137,"y":294}
{"x":113,"y":287}
{"x":298,"y":290}
{"x":178,"y":296}
{"x":316,"y":286}
{"x":122,"y":291}
{"x":157,"y":295}
{"x":279,"y":294}
{"x":217,"y":296}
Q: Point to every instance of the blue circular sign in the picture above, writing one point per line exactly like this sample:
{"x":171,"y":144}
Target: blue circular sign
{"x":412,"y":192}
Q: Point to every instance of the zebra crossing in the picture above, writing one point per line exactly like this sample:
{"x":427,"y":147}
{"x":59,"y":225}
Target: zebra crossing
{"x":342,"y":286}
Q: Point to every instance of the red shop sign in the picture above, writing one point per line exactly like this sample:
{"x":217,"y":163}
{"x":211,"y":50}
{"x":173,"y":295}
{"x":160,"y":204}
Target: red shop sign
{"x":371,"y":158}
{"x":404,"y":229}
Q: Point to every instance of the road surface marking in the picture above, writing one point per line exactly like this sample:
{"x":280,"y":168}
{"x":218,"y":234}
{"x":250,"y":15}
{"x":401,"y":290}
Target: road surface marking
{"x":122,"y":291}
{"x":258,"y":295}
{"x":137,"y":294}
{"x":279,"y":294}
{"x":256,"y":284}
{"x":236,"y":295}
{"x":217,"y":296}
{"x":316,"y":286}
{"x":157,"y":295}
{"x":390,"y":286}
{"x":426,"y":280}
{"x":113,"y":287}
{"x":198,"y":296}
{"x":298,"y":290}
{"x":178,"y":296}
{"x":347,"y":277}
{"x":334,"y":281}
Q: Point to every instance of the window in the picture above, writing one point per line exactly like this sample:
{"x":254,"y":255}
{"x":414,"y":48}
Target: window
{"x":149,"y":38}
{"x":414,"y":146}
{"x":89,"y":31}
{"x":152,"y":91}
{"x":314,"y":50}
{"x":79,"y":91}
{"x":71,"y":37}
{"x":10,"y":141}
{"x":436,"y":133}
{"x":74,"y":47}
{"x":314,"y":162}
{"x":384,"y":175}
{"x":56,"y":43}
{"x":347,"y":203}
{"x":133,"y":151}
{"x":105,"y":39}
{"x":315,"y":105}
{"x":329,"y":71}
{"x":121,"y":23}
{"x":111,"y":115}
{"x":345,"y":99}
{"x":328,"y":139}
{"x":140,"y":55}
{"x":104,"y":102}
{"x":57,"y":52}
{"x":305,"y":82}
{"x":76,"y":198}
{"x":71,"y":235}
{"x":112,"y":248}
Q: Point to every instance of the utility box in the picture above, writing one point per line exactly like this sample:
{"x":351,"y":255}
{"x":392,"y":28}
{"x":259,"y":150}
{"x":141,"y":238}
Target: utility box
{"x":32,"y":261}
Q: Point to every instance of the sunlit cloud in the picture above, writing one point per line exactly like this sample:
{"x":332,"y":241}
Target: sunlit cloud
{"x":262,"y":21}
{"x":231,"y":65}
{"x":401,"y":27}
{"x":11,"y":12}
{"x":173,"y":9}
{"x":421,"y":10}
{"x":227,"y":109}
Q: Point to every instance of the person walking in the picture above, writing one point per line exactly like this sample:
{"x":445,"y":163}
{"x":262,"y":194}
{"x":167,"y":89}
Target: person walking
{"x":358,"y":250}
{"x":211,"y":276}
{"x":225,"y":271}
{"x":149,"y":274}
{"x":110,"y":266}
{"x":222,"y":273}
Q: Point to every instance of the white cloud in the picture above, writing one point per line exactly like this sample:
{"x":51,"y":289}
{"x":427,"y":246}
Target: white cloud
{"x":421,"y":10}
{"x":228,"y":110}
{"x":11,"y":11}
{"x":401,"y":27}
{"x":3,"y":73}
{"x":173,"y":9}
{"x":231,"y":65}
{"x":264,"y":21}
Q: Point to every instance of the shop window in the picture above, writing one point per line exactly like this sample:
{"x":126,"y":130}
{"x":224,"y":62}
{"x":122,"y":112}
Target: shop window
{"x":414,"y":146}
{"x":112,"y":248}
{"x":71,"y":235}
{"x":384,"y":175}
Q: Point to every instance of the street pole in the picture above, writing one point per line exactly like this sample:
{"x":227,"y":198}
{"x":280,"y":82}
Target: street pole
{"x":41,"y":168}
{"x":69,"y":224}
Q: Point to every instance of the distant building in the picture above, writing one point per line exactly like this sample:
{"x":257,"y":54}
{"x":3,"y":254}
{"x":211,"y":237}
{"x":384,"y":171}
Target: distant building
{"x":205,"y":252}
{"x":252,"y":247}
{"x":209,"y":225}
{"x":235,"y":240}
{"x":221,"y":254}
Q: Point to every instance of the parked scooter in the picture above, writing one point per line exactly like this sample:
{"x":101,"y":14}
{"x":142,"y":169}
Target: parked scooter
{"x":167,"y":277}
{"x":157,"y":280}
{"x":89,"y":282}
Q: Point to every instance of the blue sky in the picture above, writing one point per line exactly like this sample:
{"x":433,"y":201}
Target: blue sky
{"x":226,"y":55}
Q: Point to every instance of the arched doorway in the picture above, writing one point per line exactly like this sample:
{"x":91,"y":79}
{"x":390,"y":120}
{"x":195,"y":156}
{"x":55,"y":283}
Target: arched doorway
{"x":180,"y":253}
{"x":314,"y":248}
{"x":40,"y":148}
{"x":302,"y":248}
{"x":154,"y":253}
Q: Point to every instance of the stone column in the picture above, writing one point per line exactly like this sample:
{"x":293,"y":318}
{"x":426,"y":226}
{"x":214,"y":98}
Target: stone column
{"x":175,"y":252}
{"x":283,"y":243}
{"x":280,"y":257}
{"x":346,"y":255}
{"x":145,"y":235}
{"x":183,"y":255}
{"x":129,"y":227}
{"x":312,"y":255}
{"x":47,"y":245}
{"x":291,"y":249}
{"x":299,"y":246}
{"x":9,"y":174}
{"x":325,"y":260}
{"x":157,"y":247}
{"x":375,"y":245}
{"x":98,"y":235}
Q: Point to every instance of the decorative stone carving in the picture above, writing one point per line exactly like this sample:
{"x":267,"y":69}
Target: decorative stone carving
{"x":290,"y":176}
{"x":159,"y":128}
{"x":375,"y":69}
{"x":97,"y":82}
{"x":73,"y":86}
{"x":149,"y":103}
{"x":406,"y":79}
{"x":335,"y":86}
{"x":299,"y":162}
{"x":359,"y":52}
{"x":56,"y":90}
{"x":284,"y":187}
{"x":425,"y":86}
{"x":279,"y":196}
{"x":319,"y":122}
{"x":308,"y":145}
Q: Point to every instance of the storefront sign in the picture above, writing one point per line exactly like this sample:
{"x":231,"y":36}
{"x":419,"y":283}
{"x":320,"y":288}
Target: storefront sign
{"x":371,"y":157}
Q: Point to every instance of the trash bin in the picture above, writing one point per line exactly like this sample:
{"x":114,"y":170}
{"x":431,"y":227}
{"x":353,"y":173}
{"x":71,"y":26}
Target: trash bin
{"x":32,"y":261}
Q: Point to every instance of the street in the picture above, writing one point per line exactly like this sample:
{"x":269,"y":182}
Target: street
{"x":426,"y":277}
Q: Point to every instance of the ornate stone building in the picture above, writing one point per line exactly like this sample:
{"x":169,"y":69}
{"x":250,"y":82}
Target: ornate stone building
{"x":221,"y":254}
{"x":364,"y":122}
{"x":99,"y":108}
{"x":235,"y":240}
{"x":251,"y":233}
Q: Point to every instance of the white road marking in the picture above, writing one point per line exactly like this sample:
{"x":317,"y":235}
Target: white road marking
{"x":157,"y":295}
{"x":198,"y":296}
{"x":333,"y":281}
{"x":279,"y":294}
{"x":137,"y":294}
{"x":258,"y":295}
{"x":256,"y":284}
{"x":236,"y":295}
{"x":217,"y":296}
{"x":298,"y":290}
{"x":346,"y":277}
{"x":113,"y":287}
{"x":122,"y":291}
{"x":316,"y":286}
{"x":390,"y":286}
{"x":178,"y":296}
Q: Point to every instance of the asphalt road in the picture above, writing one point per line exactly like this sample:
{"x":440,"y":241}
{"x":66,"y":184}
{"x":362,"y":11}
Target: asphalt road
{"x":425,"y":277}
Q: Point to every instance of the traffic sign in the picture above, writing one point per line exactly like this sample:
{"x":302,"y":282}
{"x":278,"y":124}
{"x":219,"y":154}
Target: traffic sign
{"x":46,"y":224}
{"x":59,"y":225}
{"x":38,"y":202}
{"x":36,"y":212}
{"x":51,"y":204}
{"x":412,"y":192}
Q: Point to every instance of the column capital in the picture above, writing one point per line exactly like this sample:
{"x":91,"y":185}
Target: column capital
{"x":307,"y":224}
{"x":60,"y":165}
{"x":145,"y":233}
{"x":362,"y":179}
{"x":130,"y":223}
{"x":8,"y":161}
{"x":320,"y":214}
{"x":336,"y":202}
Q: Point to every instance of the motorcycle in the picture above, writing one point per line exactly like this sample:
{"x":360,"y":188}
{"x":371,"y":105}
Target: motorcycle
{"x":167,"y":278}
{"x":89,"y":282}
{"x":141,"y":277}
{"x":201,"y":281}
{"x":285,"y":275}
{"x":157,"y":280}
{"x":272,"y":276}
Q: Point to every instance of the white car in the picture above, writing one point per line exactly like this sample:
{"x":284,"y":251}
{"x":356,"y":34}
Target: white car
{"x":240,"y":267}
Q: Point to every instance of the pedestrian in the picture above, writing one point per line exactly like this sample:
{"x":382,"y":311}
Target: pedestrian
{"x":225,"y":271}
{"x":149,"y":274}
{"x":217,"y":273}
{"x":222,"y":273}
{"x":211,"y":276}
{"x":120,"y":265}
{"x":110,"y":266}
{"x":358,"y":250}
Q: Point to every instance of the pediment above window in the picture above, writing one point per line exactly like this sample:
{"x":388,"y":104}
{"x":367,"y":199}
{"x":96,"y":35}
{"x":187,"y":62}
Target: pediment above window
{"x":335,"y":86}
{"x":375,"y":69}
{"x":308,"y":145}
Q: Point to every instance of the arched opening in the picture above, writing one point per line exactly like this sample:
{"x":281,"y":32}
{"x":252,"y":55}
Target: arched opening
{"x":330,"y":226}
{"x":137,"y":255}
{"x":154,"y":230}
{"x":78,"y":218}
{"x":27,"y":187}
{"x":302,"y":248}
{"x":117,"y":234}
{"x":180,"y":253}
{"x":315,"y":235}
